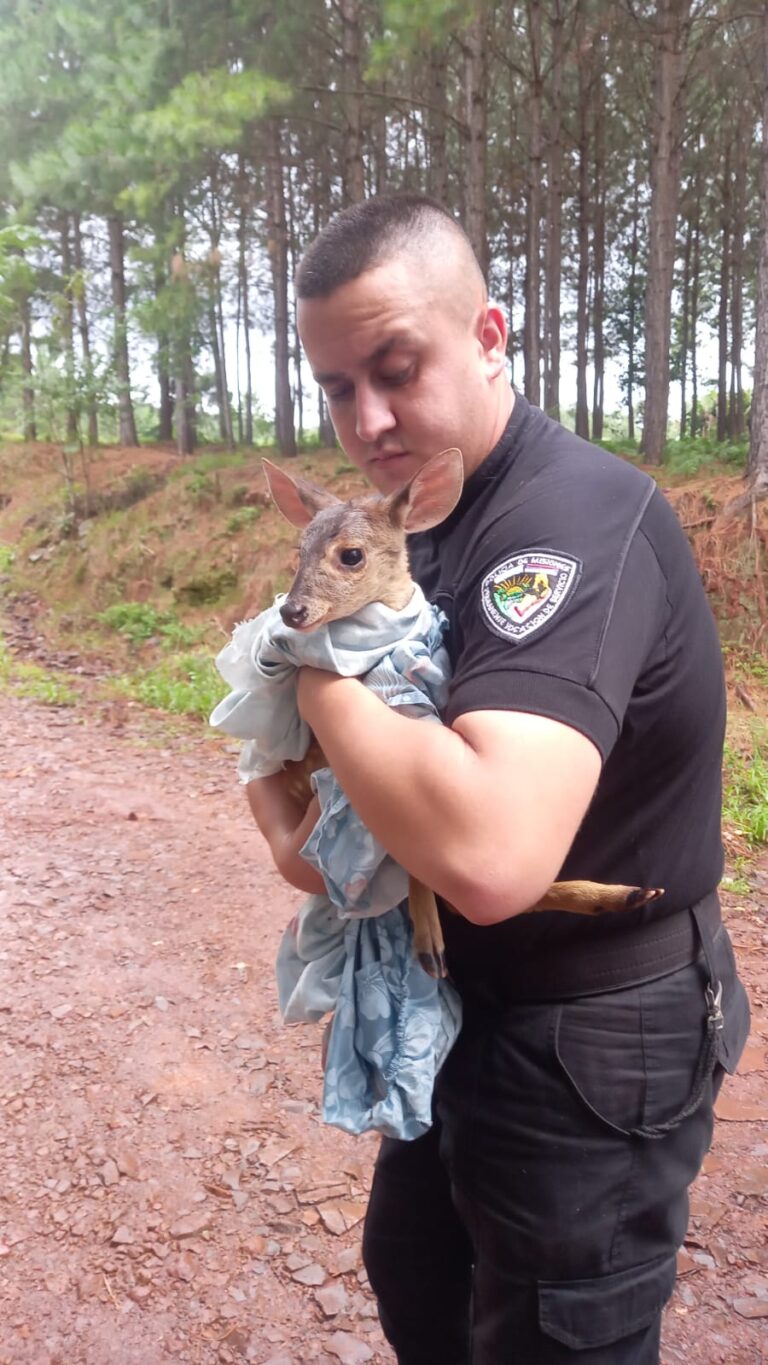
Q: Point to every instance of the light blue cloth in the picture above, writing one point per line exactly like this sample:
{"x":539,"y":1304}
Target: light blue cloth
{"x":350,"y":952}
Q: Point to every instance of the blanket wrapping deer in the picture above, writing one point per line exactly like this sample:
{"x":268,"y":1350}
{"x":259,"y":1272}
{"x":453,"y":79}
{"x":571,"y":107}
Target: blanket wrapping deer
{"x":349,"y":953}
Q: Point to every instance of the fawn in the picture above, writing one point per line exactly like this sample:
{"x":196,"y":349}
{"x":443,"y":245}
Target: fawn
{"x":352,"y":554}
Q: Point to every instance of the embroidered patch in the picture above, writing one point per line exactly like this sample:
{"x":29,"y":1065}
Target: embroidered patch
{"x":522,"y":594}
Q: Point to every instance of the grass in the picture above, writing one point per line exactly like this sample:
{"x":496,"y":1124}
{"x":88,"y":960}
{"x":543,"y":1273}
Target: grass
{"x":745,"y":794}
{"x":138,"y":622}
{"x":185,"y":685}
{"x":32,"y":681}
{"x":7,"y":556}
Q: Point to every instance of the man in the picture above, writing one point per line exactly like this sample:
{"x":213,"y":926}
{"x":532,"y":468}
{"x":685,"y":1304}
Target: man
{"x":538,"y":1220}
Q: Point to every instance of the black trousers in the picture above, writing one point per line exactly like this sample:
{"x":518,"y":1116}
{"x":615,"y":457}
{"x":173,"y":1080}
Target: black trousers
{"x":527,"y":1227}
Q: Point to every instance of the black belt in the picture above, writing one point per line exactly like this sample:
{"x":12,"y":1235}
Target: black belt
{"x":638,"y":953}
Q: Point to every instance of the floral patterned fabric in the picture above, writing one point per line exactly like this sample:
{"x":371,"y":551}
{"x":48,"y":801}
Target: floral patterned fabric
{"x":349,"y":953}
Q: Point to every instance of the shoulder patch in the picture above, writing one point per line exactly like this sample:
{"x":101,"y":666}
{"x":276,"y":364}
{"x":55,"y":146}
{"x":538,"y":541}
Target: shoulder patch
{"x":522,"y":594}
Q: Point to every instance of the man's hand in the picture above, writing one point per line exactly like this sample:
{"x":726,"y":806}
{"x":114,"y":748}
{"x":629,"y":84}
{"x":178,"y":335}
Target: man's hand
{"x":286,"y":826}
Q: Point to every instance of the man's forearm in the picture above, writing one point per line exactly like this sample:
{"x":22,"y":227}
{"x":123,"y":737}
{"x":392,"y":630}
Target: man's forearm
{"x":416,"y":785}
{"x":486,"y":825}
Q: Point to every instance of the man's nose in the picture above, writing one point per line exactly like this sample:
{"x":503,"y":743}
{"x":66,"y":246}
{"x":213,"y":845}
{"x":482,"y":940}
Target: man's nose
{"x":373,"y":414}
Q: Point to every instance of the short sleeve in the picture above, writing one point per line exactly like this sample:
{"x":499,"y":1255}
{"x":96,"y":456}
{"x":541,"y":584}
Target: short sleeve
{"x":561,"y":625}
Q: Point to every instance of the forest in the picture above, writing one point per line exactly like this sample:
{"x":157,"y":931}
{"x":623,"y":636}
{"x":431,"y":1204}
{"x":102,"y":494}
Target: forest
{"x":162,"y":166}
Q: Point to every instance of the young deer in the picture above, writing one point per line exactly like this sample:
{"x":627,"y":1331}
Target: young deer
{"x":352,"y":554}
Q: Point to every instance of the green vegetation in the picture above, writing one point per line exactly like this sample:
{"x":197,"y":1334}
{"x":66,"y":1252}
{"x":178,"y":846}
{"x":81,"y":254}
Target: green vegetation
{"x":7,"y":556}
{"x":30,"y":680}
{"x":242,"y":519}
{"x":139,"y":622}
{"x":745,"y":795}
{"x":187,"y":684}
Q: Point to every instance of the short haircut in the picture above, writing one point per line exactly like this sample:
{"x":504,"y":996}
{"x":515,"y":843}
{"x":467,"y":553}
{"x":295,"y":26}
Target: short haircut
{"x":365,"y":235}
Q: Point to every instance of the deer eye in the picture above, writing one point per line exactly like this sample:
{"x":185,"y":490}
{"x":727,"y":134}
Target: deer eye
{"x":351,"y":558}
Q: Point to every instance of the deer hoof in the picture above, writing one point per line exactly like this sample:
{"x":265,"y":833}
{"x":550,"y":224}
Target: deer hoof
{"x":642,"y":895}
{"x":434,"y":965}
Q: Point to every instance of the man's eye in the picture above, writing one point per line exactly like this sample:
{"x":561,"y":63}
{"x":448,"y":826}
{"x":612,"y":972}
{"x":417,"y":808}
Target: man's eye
{"x":351,"y":558}
{"x":338,"y":395}
{"x":399,"y":376}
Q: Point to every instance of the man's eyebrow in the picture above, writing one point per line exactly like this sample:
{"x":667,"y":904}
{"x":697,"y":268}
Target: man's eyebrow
{"x":324,"y":378}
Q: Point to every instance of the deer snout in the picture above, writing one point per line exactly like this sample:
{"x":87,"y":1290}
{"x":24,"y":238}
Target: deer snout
{"x":294,"y":614}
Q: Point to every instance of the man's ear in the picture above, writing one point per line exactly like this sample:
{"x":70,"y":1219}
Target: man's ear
{"x":297,"y":499}
{"x":493,"y":339}
{"x":431,"y":494}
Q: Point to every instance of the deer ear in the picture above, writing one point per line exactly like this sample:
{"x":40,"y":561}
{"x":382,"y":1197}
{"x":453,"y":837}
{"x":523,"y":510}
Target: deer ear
{"x":431,"y":494}
{"x":297,"y":499}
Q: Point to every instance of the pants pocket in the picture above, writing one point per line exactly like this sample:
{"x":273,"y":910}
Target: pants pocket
{"x":597,"y":1312}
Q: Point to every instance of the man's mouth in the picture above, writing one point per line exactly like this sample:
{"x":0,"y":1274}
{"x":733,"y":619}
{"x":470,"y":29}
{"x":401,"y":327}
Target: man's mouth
{"x":385,"y":456}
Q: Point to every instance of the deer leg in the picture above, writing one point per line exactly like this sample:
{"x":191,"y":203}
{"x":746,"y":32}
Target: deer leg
{"x":428,"y":942}
{"x":594,"y":898}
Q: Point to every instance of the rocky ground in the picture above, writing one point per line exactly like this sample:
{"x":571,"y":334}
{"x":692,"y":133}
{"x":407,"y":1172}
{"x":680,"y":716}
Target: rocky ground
{"x":168,"y":1192}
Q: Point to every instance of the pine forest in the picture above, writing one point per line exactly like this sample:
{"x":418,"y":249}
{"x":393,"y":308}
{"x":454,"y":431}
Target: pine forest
{"x":164,"y":164}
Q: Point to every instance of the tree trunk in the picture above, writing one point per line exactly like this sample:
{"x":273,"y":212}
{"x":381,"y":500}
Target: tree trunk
{"x":722,"y":312}
{"x":85,"y":332}
{"x":278,"y":259}
{"x":684,"y":311}
{"x":293,"y":253}
{"x":437,"y":159}
{"x":68,"y":331}
{"x":475,"y":96}
{"x":184,"y":388}
{"x":632,"y":312}
{"x":127,"y":421}
{"x":736,"y":422}
{"x":533,"y":205}
{"x":511,"y":337}
{"x":162,"y":366}
{"x":670,"y":40}
{"x":242,"y":275}
{"x":553,"y":247}
{"x":598,"y":256}
{"x":757,"y":468}
{"x":582,"y":281}
{"x":353,"y":169}
{"x":28,"y":390}
{"x":213,"y":332}
{"x":694,"y":314}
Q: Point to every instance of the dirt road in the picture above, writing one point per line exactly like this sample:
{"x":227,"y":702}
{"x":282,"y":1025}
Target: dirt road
{"x":168,"y":1191}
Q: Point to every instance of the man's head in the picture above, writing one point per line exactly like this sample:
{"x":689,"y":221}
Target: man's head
{"x":394,"y":317}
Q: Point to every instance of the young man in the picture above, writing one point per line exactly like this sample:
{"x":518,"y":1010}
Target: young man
{"x":538,"y":1221}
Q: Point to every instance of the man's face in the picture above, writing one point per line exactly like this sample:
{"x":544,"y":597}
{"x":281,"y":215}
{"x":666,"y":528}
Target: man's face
{"x":405,"y":374}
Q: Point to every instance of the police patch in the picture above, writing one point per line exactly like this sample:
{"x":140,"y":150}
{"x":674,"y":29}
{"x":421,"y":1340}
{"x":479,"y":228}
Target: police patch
{"x":522,"y":595}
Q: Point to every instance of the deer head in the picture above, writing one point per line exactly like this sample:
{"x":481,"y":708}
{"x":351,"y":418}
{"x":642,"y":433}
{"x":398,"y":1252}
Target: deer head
{"x":354,"y":553}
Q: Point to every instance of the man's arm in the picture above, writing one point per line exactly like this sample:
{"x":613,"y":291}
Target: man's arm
{"x":483,"y":813}
{"x":286,"y":826}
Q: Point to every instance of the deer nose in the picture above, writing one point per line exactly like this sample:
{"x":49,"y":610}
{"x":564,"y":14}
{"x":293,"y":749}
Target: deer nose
{"x":294,"y":613}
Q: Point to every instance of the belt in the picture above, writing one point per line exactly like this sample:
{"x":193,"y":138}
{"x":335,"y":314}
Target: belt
{"x":636,"y":953}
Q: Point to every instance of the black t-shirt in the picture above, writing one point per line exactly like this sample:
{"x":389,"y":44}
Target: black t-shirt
{"x":571,"y":592}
